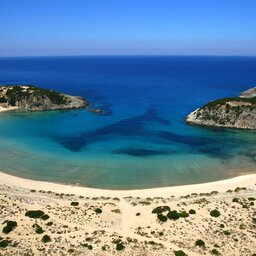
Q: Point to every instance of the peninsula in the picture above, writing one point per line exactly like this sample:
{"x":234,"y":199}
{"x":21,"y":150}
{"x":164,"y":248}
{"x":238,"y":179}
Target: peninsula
{"x":28,"y":97}
{"x":234,"y":112}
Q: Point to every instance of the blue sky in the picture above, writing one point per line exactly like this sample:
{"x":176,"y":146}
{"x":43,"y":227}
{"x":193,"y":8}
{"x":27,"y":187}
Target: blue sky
{"x":127,"y":27}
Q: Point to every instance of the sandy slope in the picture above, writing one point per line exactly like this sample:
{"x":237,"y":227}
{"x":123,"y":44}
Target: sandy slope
{"x":126,"y":219}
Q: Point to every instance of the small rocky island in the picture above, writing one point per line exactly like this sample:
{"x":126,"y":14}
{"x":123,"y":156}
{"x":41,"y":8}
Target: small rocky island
{"x":28,"y":97}
{"x":234,"y":112}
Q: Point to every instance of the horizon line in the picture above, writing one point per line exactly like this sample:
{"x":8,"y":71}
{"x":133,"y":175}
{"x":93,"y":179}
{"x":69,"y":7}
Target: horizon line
{"x":128,"y":55}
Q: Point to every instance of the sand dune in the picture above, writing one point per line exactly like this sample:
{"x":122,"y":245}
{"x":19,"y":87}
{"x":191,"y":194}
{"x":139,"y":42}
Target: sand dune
{"x":86,"y":221}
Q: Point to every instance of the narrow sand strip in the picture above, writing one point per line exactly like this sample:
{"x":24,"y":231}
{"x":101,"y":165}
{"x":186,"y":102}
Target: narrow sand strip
{"x":221,"y":186}
{"x":5,"y":109}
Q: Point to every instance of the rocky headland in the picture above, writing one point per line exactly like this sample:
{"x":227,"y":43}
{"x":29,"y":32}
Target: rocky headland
{"x":27,"y":97}
{"x":233,"y":112}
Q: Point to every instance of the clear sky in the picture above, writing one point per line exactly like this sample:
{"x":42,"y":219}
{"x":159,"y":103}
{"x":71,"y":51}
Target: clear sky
{"x":127,"y":27}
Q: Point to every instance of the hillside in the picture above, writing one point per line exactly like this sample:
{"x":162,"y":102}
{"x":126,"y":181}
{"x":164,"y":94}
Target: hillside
{"x":37,"y":99}
{"x":234,"y":112}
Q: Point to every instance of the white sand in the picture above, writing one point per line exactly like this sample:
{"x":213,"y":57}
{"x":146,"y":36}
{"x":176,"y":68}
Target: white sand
{"x":4,"y":109}
{"x":221,"y":186}
{"x":127,"y":217}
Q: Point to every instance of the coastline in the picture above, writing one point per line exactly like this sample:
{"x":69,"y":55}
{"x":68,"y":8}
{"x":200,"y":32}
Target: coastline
{"x":88,"y":221}
{"x":3,"y":109}
{"x":220,"y":186}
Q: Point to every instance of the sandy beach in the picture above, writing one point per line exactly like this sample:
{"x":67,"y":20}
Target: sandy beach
{"x":76,"y":220}
{"x":5,"y":109}
{"x":221,"y":186}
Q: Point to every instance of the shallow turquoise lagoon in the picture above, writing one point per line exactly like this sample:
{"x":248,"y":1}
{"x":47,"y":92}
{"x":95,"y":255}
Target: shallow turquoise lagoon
{"x":141,"y":141}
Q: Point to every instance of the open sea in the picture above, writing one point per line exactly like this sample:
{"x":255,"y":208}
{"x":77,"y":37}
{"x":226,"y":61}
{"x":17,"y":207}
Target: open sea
{"x":141,"y":141}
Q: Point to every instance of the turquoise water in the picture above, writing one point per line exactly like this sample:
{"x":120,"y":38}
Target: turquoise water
{"x":141,"y":141}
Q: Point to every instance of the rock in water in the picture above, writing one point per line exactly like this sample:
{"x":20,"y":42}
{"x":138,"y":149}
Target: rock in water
{"x":32,"y":98}
{"x":234,"y":112}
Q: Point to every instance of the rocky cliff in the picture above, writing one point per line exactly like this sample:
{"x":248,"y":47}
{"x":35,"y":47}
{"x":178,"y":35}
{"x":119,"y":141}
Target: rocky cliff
{"x":234,"y":112}
{"x":38,"y":99}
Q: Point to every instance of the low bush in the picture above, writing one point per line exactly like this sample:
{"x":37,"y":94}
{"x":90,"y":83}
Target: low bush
{"x":173,"y":215}
{"x":215,"y":252}
{"x":180,"y":253}
{"x":215,"y":213}
{"x":200,"y":243}
{"x":227,"y":233}
{"x":46,"y":239}
{"x":45,"y":217}
{"x":10,"y":225}
{"x":242,"y":226}
{"x":4,"y":243}
{"x":161,"y":217}
{"x":183,"y":214}
{"x":88,"y":246}
{"x":161,"y":209}
{"x":235,"y":200}
{"x":192,"y":211}
{"x":50,"y":223}
{"x":74,"y":203}
{"x":120,"y":246}
{"x":38,"y":229}
{"x":34,"y":214}
{"x":98,"y":210}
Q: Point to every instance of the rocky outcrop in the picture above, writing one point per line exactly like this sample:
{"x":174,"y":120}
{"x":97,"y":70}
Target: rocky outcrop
{"x":37,"y":99}
{"x":234,"y":112}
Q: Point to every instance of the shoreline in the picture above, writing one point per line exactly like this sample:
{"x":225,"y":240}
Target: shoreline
{"x":248,"y":180}
{"x":91,"y":221}
{"x":7,"y":109}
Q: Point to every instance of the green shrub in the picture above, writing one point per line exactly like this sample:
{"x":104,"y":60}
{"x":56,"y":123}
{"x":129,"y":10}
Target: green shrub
{"x":45,"y":217}
{"x":227,"y":233}
{"x":173,"y":215}
{"x":215,"y":213}
{"x":161,"y":209}
{"x":74,"y":203}
{"x":161,"y":233}
{"x":161,"y":217}
{"x":242,"y":226}
{"x":120,"y":246}
{"x":46,"y":239}
{"x":251,"y":199}
{"x":3,"y":100}
{"x":192,"y":211}
{"x":183,"y":214}
{"x":222,"y":226}
{"x":4,"y":243}
{"x":235,"y":200}
{"x":34,"y":214}
{"x":38,"y":229}
{"x":10,"y":225}
{"x":179,"y":253}
{"x":98,"y":210}
{"x":200,"y":243}
{"x":50,"y":223}
{"x":215,"y":252}
{"x":88,"y":246}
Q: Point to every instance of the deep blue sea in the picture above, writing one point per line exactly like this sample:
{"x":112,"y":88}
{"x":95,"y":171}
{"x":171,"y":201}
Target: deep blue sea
{"x":141,"y":141}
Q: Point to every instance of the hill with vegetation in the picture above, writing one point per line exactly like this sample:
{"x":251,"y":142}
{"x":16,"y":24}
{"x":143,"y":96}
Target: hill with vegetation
{"x":32,"y":98}
{"x":233,"y":112}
